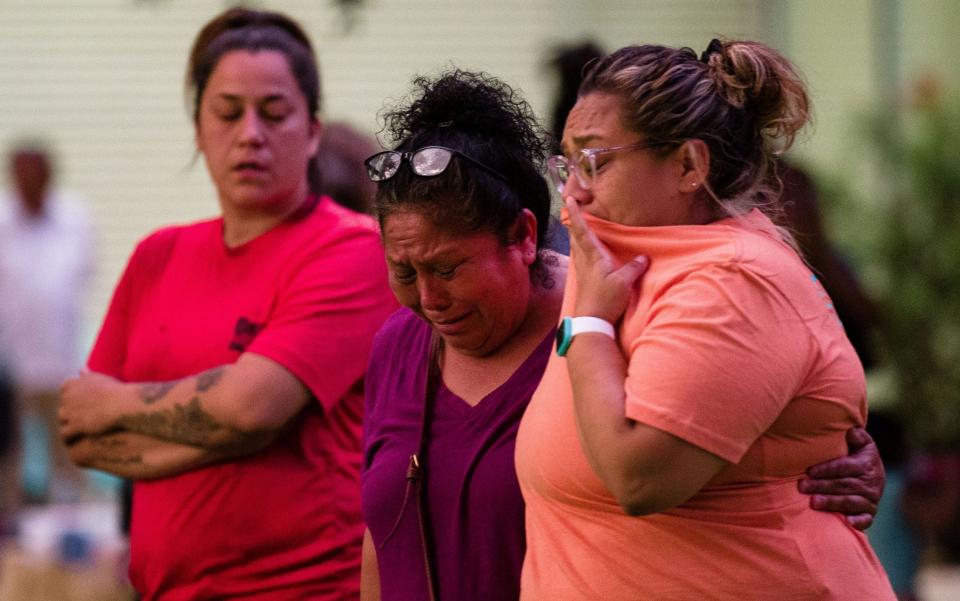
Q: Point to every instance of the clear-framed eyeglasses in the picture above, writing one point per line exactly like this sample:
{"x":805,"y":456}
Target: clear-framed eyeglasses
{"x":583,"y":164}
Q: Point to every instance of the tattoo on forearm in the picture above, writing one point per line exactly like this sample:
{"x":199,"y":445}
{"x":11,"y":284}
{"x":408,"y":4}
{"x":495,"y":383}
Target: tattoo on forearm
{"x":185,"y":424}
{"x":152,"y":392}
{"x":207,"y":379}
{"x":111,"y":452}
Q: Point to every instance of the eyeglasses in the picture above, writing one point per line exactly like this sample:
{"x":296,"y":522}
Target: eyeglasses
{"x":425,"y":162}
{"x":583,"y":164}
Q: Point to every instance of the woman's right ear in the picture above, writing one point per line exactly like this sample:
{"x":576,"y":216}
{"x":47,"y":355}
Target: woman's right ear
{"x":695,"y":161}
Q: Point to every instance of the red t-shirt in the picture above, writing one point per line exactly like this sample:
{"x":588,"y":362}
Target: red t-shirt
{"x":309,"y":294}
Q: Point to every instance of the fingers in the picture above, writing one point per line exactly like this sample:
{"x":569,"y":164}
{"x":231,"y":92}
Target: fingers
{"x":834,"y":486}
{"x":860,"y":522}
{"x":68,"y":429}
{"x":841,"y":467}
{"x":80,"y":450}
{"x":71,"y":440}
{"x":848,"y":487}
{"x":863,"y":461}
{"x":859,"y":473}
{"x":857,"y":438}
{"x":587,"y":245}
{"x":631,"y":271}
{"x":581,"y":236}
{"x":852,"y":506}
{"x":605,"y":286}
{"x":69,"y":432}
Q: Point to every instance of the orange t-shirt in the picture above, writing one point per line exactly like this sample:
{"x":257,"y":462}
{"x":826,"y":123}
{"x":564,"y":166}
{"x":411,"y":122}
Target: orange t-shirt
{"x":734,"y":347}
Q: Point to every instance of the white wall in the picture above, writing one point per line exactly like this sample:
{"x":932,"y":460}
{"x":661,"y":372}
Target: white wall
{"x":102,"y":80}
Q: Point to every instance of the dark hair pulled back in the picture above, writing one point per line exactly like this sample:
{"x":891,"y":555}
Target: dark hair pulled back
{"x":486,"y":120}
{"x":743,"y":99}
{"x":256,"y":31}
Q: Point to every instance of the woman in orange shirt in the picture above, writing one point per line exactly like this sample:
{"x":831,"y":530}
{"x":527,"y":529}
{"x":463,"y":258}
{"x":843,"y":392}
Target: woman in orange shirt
{"x":701,"y":365}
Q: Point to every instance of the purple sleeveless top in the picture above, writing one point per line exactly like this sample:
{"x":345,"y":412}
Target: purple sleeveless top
{"x":473,"y":499}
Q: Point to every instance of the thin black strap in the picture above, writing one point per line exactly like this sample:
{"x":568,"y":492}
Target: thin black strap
{"x":415,"y":469}
{"x":417,"y":463}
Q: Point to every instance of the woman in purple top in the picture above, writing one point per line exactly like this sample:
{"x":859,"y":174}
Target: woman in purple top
{"x":463,"y":210}
{"x":463,"y":219}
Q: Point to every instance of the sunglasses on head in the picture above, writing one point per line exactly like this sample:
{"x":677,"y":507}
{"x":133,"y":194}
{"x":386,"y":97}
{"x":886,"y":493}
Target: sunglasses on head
{"x":425,"y":162}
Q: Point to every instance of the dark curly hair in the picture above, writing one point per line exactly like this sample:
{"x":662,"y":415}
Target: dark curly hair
{"x":486,"y":120}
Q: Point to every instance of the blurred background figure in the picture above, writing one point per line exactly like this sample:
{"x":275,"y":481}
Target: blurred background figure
{"x":893,"y":537}
{"x":9,"y":474}
{"x":566,"y":62}
{"x":340,"y":172}
{"x":897,"y":533}
{"x":45,"y":266}
{"x":802,"y":214}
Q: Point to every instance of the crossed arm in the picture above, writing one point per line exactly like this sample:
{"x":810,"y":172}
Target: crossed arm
{"x":151,"y":430}
{"x":138,"y":457}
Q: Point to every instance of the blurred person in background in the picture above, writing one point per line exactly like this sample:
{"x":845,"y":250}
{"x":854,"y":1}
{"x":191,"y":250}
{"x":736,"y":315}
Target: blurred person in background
{"x":701,"y":368}
{"x":227,"y":377}
{"x":566,"y":63}
{"x":46,"y":260}
{"x":802,"y":213}
{"x":897,"y":543}
{"x":9,"y":470}
{"x":339,"y":162}
{"x":463,"y":207}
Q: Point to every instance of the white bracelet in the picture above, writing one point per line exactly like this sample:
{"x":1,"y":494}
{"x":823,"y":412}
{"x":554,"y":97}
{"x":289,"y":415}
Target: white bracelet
{"x":571,"y":326}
